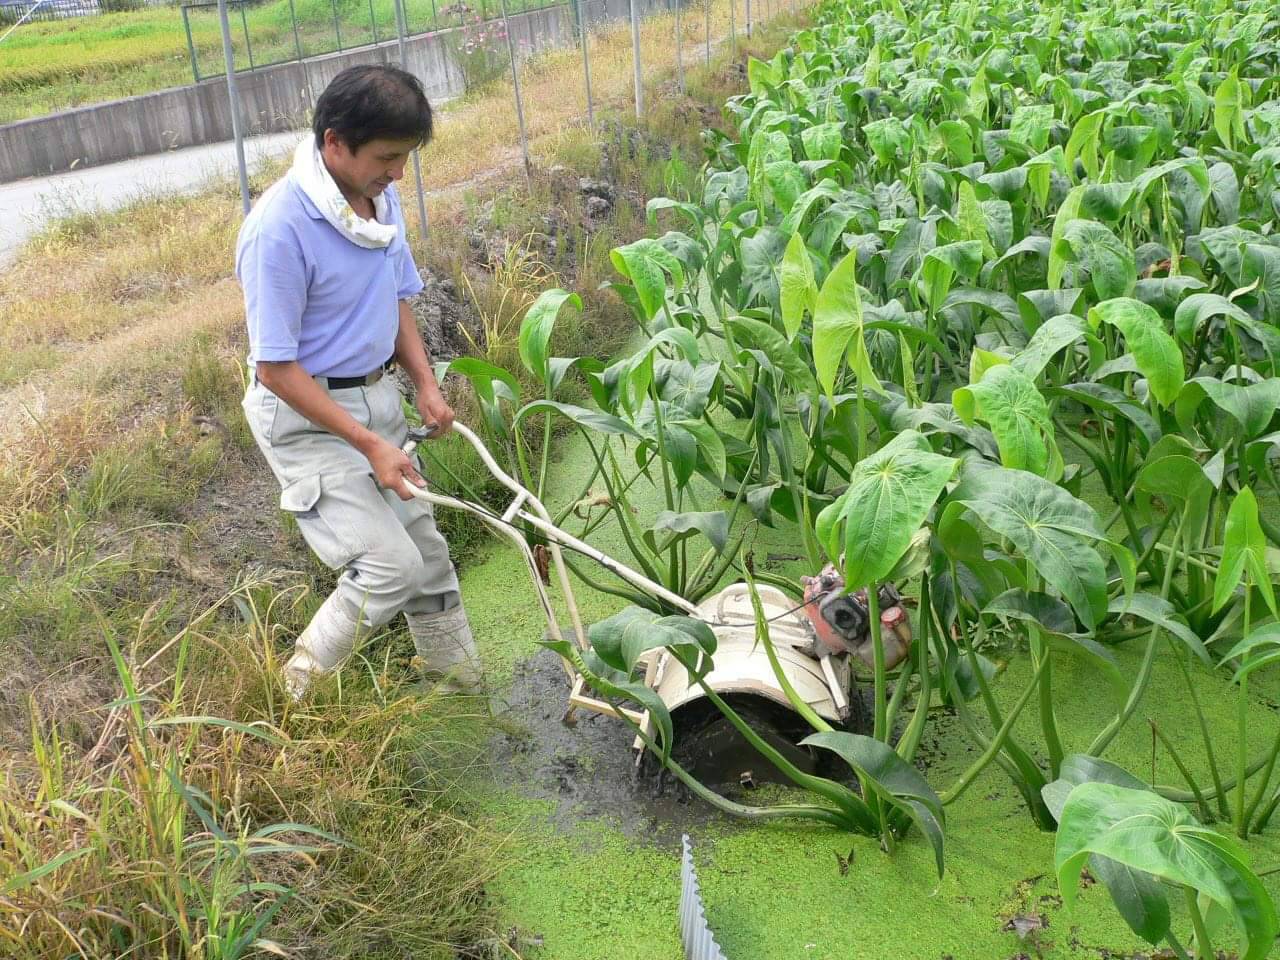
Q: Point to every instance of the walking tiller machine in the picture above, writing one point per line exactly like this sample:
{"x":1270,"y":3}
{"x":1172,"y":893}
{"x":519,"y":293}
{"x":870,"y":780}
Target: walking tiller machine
{"x":814,"y":640}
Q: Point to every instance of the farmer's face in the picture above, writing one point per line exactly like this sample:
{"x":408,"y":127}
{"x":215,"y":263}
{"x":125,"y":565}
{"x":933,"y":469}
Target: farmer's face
{"x":368,"y":170}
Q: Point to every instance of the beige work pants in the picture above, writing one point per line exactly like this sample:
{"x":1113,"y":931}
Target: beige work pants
{"x":392,"y":556}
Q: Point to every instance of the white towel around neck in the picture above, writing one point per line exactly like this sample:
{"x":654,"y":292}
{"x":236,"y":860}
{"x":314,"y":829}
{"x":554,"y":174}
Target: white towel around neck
{"x":318,"y":184}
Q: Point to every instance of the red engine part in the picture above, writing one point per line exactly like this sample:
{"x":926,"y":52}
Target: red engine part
{"x":841,"y":621}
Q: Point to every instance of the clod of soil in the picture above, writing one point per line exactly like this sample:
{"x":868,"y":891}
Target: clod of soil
{"x":442,"y":316}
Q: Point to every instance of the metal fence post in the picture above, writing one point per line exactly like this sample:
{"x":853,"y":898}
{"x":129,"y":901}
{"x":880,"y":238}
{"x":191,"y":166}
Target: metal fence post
{"x":337,"y":30}
{"x":586,"y":62}
{"x":706,"y":10}
{"x":733,"y":24}
{"x":515,"y":84}
{"x":679,"y":48}
{"x":191,"y":46}
{"x":373,"y":22}
{"x":297,"y":39}
{"x":748,"y":19}
{"x":233,"y":95}
{"x":635,"y":58}
{"x":244,"y":22}
{"x":402,"y":27}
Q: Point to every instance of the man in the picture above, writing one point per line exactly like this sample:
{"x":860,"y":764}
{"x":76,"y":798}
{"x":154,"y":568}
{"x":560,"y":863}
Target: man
{"x":326,"y":273}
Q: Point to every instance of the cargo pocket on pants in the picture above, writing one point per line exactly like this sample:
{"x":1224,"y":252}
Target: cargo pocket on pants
{"x":320,"y":520}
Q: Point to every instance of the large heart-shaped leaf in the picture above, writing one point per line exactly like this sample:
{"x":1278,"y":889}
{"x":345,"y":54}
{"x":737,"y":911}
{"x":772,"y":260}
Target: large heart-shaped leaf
{"x":582,"y":416}
{"x":1145,"y":832}
{"x":1261,"y":265}
{"x":1057,"y":628}
{"x":889,"y":495}
{"x":943,"y":264}
{"x":1007,"y":399}
{"x":762,"y":253}
{"x":710,"y":446}
{"x":1229,"y":99}
{"x":915,"y":239}
{"x":1199,"y":307}
{"x":713,"y":524}
{"x":688,"y":387}
{"x":837,"y":329}
{"x":535,"y":329}
{"x":1108,"y":259}
{"x":1252,"y":405}
{"x":822,"y":141}
{"x":798,"y":289}
{"x":1159,"y":612}
{"x":1244,"y":547}
{"x":1259,"y":649}
{"x":782,"y":355}
{"x":620,"y":640}
{"x":646,"y":264}
{"x":1049,"y":527}
{"x":1155,"y":352}
{"x":881,"y":771}
{"x":1139,"y":897}
{"x":1053,"y":335}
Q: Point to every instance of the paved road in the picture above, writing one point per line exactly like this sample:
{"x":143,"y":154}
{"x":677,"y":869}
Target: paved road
{"x":27,"y":205}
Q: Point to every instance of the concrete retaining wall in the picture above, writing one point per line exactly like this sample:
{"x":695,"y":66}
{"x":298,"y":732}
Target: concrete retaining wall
{"x":272,"y":99}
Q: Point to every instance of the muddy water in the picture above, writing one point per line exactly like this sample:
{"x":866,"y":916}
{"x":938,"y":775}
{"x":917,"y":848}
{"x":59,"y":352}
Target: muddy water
{"x":586,"y":770}
{"x":589,"y":769}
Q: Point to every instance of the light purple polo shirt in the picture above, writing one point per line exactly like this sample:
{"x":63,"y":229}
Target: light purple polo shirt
{"x":312,"y":295}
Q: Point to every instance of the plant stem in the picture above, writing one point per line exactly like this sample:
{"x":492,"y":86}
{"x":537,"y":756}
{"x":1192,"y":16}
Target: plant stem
{"x":1026,"y":773}
{"x":1184,"y":796}
{"x":631,"y":596}
{"x":1103,"y":740}
{"x":993,"y":748}
{"x":1218,"y":787}
{"x":1204,"y":949}
{"x":861,"y":448}
{"x":778,"y":812}
{"x":877,"y":646}
{"x":1182,"y":768}
{"x":546,"y":452}
{"x":799,"y":494}
{"x":762,"y":637}
{"x":1265,"y":816}
{"x":1268,"y":770}
{"x":910,"y":739}
{"x":1043,"y":657}
{"x":617,"y":504}
{"x":1242,"y":725}
{"x":856,"y":809}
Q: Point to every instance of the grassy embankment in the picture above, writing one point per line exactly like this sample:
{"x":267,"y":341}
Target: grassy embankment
{"x":149,"y":587}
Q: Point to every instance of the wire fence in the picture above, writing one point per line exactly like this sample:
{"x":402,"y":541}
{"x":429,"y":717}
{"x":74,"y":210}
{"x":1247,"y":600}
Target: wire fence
{"x":267,"y":34}
{"x":34,"y":11}
{"x":493,"y":38}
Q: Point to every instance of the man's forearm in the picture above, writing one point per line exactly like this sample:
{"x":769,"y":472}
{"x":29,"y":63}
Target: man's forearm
{"x":411,"y":353}
{"x":292,"y":384}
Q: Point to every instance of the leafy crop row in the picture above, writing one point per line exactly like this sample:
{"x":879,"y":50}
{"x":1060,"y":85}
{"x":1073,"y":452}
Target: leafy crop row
{"x":962,"y":267}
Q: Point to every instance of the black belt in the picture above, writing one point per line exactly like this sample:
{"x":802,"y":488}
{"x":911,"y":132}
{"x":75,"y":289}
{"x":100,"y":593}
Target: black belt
{"x":368,"y":380}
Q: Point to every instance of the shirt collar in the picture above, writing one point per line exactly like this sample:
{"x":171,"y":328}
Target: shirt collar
{"x":307,"y":203}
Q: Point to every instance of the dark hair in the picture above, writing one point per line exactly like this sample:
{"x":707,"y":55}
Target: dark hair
{"x":371,"y":102}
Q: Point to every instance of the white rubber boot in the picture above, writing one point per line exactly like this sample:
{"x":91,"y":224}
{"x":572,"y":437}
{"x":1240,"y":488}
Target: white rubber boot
{"x":321,"y":648}
{"x":447,"y":649}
